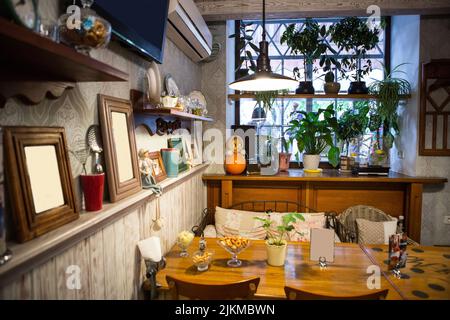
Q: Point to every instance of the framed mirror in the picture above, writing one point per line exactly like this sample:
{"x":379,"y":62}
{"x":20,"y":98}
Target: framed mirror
{"x":117,"y":124}
{"x":39,"y":180}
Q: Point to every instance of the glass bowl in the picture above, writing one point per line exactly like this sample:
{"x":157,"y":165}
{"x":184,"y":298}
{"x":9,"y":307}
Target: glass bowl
{"x":184,"y":240}
{"x":234,"y":245}
{"x":92,"y":32}
{"x":202,"y":259}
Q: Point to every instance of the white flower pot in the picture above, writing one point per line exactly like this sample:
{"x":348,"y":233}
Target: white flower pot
{"x":311,"y":161}
{"x":276,"y":255}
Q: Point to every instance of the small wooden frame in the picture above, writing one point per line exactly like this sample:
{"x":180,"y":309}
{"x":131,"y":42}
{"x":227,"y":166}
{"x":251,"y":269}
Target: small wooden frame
{"x":116,"y":121}
{"x":158,"y":170}
{"x":39,"y":180}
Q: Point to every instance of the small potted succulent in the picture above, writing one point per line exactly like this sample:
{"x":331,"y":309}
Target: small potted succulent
{"x":353,"y":35}
{"x":313,"y":132}
{"x":276,"y":243}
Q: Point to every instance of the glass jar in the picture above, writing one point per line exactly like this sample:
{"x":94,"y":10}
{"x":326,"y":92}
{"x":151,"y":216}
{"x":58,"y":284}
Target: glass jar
{"x":90,"y":32}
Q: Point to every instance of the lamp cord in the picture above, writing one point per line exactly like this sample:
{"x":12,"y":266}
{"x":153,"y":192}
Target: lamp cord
{"x":264,"y":21}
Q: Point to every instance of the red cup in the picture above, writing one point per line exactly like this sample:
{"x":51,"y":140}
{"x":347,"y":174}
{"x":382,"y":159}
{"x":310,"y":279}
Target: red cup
{"x":93,"y":185}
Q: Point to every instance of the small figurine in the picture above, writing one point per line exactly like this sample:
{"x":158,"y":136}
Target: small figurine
{"x":146,"y":170}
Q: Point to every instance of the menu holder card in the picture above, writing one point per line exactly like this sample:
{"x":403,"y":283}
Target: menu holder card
{"x":322,"y":245}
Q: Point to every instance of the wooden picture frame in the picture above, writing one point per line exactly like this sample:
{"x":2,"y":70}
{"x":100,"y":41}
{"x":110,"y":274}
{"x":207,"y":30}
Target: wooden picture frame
{"x":39,"y":180}
{"x":158,"y":169}
{"x":119,"y":141}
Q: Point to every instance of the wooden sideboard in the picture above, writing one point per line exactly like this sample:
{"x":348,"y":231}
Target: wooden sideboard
{"x":396,"y":194}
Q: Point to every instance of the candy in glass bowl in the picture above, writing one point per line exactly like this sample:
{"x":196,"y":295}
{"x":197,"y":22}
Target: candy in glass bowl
{"x":202,"y":259}
{"x":184,"y":239}
{"x":234,"y":245}
{"x":90,"y":32}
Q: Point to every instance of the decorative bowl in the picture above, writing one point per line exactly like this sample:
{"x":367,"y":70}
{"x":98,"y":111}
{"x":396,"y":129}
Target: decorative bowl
{"x":202,"y":259}
{"x":234,"y":245}
{"x":184,"y":240}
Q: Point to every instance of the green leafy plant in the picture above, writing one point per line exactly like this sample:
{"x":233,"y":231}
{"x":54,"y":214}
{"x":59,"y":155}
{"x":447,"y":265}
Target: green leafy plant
{"x":353,"y":124}
{"x":275,"y":236}
{"x":266,"y":99}
{"x":308,"y":41}
{"x":245,"y":39}
{"x":353,"y":35}
{"x":389,"y":93}
{"x":286,"y":144}
{"x":314,"y":132}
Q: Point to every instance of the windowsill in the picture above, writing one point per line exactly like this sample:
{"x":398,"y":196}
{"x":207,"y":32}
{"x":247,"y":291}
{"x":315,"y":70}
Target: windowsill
{"x":43,"y":248}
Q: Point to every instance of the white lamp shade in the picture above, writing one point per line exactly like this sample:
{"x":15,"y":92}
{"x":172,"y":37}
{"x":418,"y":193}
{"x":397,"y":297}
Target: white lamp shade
{"x":264,"y":81}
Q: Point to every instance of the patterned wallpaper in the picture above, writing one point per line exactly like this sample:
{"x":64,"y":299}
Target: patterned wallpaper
{"x":76,"y":110}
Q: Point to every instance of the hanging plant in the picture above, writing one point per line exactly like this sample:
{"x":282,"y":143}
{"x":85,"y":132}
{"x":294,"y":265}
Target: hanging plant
{"x":389,"y":93}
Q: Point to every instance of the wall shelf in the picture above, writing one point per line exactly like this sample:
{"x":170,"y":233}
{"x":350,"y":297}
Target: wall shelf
{"x":173,"y":113}
{"x":314,"y":96}
{"x":26,"y":57}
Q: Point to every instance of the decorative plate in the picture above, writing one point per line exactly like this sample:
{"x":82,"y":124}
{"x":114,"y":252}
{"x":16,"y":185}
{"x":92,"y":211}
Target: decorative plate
{"x":197,"y":95}
{"x":171,"y":86}
{"x":154,"y":83}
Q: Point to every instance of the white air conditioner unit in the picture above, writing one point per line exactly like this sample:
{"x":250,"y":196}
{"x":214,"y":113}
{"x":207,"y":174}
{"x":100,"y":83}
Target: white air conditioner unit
{"x":188,"y":30}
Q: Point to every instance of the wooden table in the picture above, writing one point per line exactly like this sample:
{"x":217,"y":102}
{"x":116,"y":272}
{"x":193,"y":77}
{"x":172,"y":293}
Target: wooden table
{"x":347,"y":276}
{"x":427,"y":272}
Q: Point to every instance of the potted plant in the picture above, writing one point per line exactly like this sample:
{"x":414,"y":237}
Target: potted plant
{"x":354,"y":36}
{"x":308,"y":41}
{"x":330,"y":86}
{"x":389,"y":92}
{"x":276,"y":243}
{"x":245,"y":38}
{"x":285,"y":155}
{"x":351,"y":125}
{"x":314,"y":133}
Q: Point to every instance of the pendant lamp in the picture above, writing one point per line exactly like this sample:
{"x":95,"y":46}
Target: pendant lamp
{"x":263,"y":79}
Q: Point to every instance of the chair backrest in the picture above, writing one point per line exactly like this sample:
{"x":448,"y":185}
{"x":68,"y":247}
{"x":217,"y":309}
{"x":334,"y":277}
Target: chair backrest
{"x":245,"y":289}
{"x":297,"y":294}
{"x":347,"y":219}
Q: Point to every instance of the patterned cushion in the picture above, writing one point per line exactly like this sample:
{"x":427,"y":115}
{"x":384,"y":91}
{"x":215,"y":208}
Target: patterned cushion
{"x":230,"y":222}
{"x":312,"y":220}
{"x":370,"y":232}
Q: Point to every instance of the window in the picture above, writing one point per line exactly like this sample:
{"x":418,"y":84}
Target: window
{"x":283,"y":62}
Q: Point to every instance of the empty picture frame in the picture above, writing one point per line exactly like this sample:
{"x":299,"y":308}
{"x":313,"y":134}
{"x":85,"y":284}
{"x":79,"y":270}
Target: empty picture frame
{"x":39,"y":180}
{"x":117,"y":124}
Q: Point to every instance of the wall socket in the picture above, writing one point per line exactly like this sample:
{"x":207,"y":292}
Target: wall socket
{"x":447,"y":220}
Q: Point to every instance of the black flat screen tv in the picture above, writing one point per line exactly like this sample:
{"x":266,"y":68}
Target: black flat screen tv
{"x":141,"y":24}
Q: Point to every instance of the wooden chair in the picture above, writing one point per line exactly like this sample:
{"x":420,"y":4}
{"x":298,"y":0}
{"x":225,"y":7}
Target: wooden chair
{"x":297,"y":294}
{"x":237,"y":290}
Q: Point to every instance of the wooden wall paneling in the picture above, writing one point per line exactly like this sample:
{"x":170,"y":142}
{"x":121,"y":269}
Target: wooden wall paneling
{"x":63,"y":261}
{"x":213,"y":194}
{"x":227,"y":194}
{"x":97,"y":267}
{"x":44,"y":281}
{"x":132,"y":255}
{"x":81,"y":258}
{"x":338,"y":197}
{"x":221,"y":10}
{"x":414,"y":211}
{"x":109,"y":261}
{"x":119,"y":255}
